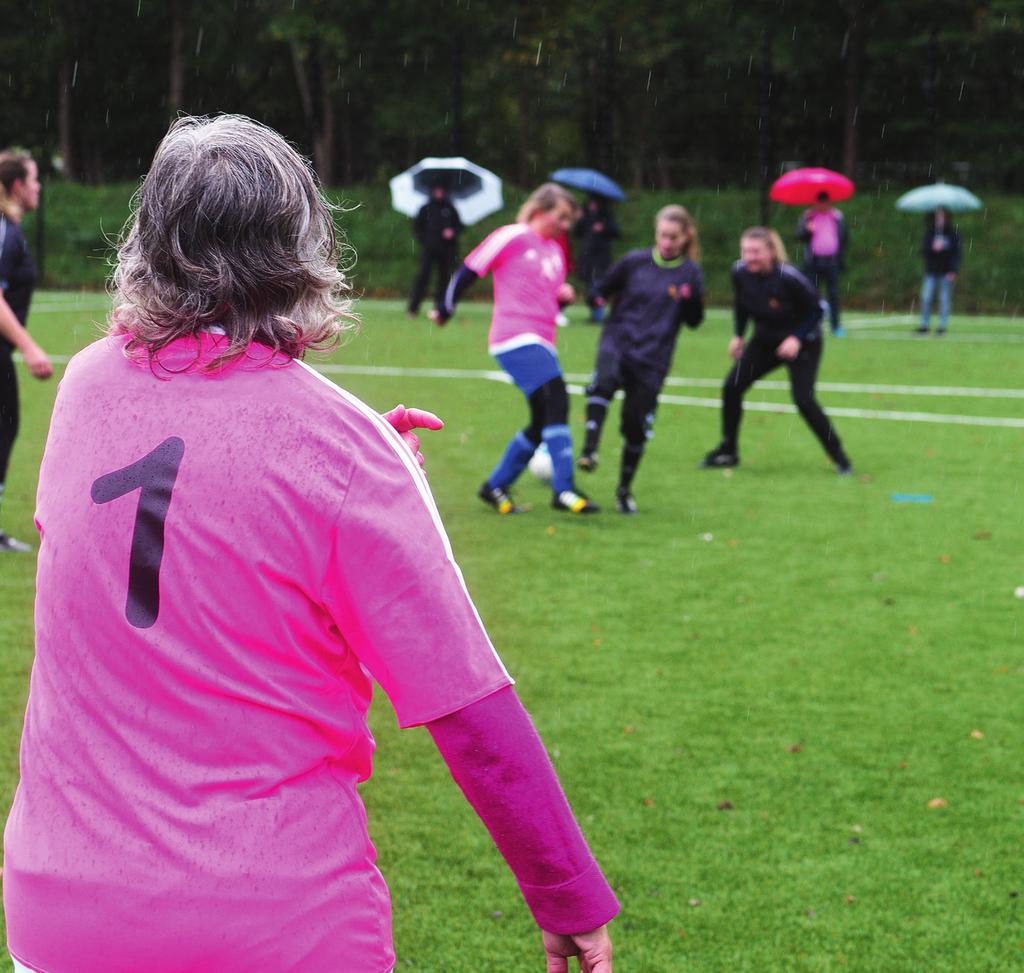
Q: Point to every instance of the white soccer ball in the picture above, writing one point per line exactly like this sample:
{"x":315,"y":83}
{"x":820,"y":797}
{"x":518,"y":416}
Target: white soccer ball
{"x":540,"y":464}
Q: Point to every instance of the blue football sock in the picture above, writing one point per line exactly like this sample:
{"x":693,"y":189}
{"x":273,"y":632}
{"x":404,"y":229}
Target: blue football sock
{"x":517,"y":455}
{"x":559,"y":442}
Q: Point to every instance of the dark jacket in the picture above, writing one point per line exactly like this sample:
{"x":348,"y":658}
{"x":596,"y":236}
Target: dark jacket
{"x":596,"y":242}
{"x":782,"y":302}
{"x":432,"y":220}
{"x":945,"y":260}
{"x":803,"y":234}
{"x":17,"y":272}
{"x":651,"y":303}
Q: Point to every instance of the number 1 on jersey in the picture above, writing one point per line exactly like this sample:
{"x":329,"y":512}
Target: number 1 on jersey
{"x":154,"y":476}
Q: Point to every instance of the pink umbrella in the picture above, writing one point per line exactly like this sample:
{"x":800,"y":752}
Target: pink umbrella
{"x":802,"y":187}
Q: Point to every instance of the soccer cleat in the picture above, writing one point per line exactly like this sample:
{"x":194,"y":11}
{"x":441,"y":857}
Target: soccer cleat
{"x":498,"y":499}
{"x":587,"y":462}
{"x":624,"y":502}
{"x":575,"y":503}
{"x":922,"y":329}
{"x":844,"y":469}
{"x":839,"y":332}
{"x":719,"y":458}
{"x":13,"y":545}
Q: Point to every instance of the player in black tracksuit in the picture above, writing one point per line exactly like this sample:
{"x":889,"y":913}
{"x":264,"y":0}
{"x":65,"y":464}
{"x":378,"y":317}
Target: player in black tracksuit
{"x":19,"y":193}
{"x":787,"y":317}
{"x":655,"y":292}
{"x":437,"y":227}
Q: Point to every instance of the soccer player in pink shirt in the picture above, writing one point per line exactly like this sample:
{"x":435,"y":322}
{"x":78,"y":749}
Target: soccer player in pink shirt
{"x":231,"y":548}
{"x":529,"y":270}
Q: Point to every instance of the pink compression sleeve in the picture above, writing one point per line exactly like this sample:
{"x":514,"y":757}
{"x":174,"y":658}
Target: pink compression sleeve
{"x":497,"y":758}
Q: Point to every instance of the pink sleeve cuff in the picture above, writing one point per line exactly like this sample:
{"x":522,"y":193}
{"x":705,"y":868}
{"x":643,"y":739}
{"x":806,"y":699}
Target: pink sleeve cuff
{"x":578,"y":905}
{"x":497,"y":758}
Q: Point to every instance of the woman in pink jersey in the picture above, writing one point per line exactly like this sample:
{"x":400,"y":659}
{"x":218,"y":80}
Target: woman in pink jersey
{"x":529,"y":286}
{"x":231,"y":547}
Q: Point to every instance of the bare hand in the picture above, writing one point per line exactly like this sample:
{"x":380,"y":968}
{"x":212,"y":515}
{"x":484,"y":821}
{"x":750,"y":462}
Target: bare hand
{"x":789,"y":348}
{"x":566,"y":294}
{"x":592,"y":949}
{"x":950,"y":276}
{"x":736,"y":346}
{"x":38,"y":362}
{"x":406,"y":420}
{"x":448,"y":233}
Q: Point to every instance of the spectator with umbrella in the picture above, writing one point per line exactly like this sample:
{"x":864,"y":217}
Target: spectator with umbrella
{"x":940,"y":245}
{"x":941,"y":251}
{"x":442,"y":195}
{"x":821,"y":229}
{"x":437,"y":227}
{"x":595,"y":229}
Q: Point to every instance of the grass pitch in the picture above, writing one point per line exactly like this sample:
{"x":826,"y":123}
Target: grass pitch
{"x":785,"y":705}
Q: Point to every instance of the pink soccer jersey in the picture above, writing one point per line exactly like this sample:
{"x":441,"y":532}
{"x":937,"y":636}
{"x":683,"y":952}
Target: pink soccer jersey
{"x":226,"y":560}
{"x":528,"y":270}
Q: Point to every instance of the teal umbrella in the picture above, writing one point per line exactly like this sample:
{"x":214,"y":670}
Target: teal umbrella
{"x":942,"y":195}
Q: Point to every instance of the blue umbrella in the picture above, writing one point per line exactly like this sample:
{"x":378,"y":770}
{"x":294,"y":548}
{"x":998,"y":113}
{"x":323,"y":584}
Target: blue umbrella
{"x":590,"y":181}
{"x":924,"y":199}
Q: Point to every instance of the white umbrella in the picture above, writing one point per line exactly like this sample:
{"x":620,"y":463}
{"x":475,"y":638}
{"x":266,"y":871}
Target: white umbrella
{"x":474,"y":191}
{"x":924,"y":199}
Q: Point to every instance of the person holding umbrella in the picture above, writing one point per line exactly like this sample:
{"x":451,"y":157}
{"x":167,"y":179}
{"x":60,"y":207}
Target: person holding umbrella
{"x":595,"y":229}
{"x":656,"y":291}
{"x":437,"y":227}
{"x":787,"y":316}
{"x":823,"y":232}
{"x":940,"y":248}
{"x":529,"y":284}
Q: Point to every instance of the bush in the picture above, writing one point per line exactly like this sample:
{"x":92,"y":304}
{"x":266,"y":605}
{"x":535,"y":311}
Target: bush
{"x":884,"y":265}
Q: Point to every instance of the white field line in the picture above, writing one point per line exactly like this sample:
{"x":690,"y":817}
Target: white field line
{"x":858,"y":324}
{"x":970,"y":338}
{"x":860,"y":388}
{"x":941,"y":418}
{"x":705,"y":383}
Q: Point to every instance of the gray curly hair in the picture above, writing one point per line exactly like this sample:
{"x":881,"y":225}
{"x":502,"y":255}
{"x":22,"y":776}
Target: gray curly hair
{"x":229,"y":229}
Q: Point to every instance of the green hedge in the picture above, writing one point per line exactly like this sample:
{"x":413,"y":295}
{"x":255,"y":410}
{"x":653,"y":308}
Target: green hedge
{"x":884,"y":262}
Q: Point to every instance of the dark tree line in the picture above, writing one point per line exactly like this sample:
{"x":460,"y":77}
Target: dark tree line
{"x":666,"y":95}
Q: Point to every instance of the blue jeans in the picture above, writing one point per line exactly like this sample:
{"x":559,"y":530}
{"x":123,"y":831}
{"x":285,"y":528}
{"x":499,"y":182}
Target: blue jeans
{"x":945,"y":287}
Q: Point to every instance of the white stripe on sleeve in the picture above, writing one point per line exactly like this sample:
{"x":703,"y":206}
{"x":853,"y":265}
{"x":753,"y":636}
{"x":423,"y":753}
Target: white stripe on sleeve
{"x":480,"y":260}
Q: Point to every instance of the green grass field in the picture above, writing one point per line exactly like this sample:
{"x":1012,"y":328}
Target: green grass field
{"x":753,"y":690}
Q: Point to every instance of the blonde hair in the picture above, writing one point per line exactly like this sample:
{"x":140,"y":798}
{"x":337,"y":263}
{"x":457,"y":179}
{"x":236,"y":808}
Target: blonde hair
{"x":14,"y":165}
{"x":770,"y":239}
{"x":230,"y":229}
{"x":680,"y":215}
{"x":544,"y":199}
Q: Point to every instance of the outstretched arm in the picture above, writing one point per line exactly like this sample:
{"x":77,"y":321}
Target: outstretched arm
{"x":462,"y":279}
{"x":497,"y":758}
